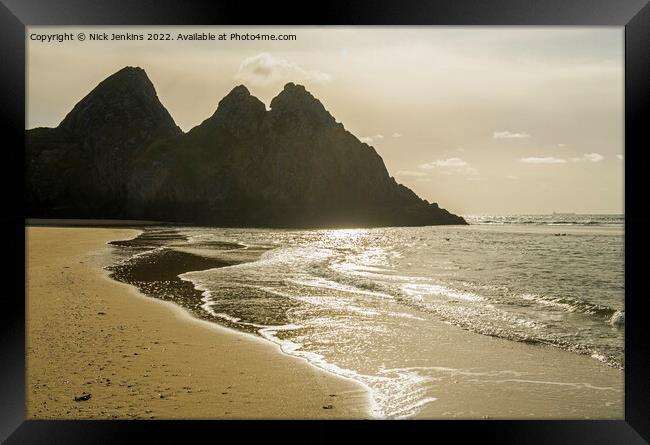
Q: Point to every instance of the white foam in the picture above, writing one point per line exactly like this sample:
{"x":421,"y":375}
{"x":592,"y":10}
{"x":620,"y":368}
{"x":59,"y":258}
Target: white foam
{"x":599,"y":357}
{"x":579,"y":385}
{"x":328,"y":284}
{"x":399,"y":396}
{"x":618,"y":319}
{"x":547,"y":302}
{"x":425,"y":290}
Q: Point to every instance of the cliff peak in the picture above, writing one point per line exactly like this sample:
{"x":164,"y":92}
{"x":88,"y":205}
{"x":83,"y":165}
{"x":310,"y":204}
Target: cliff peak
{"x":294,"y":93}
{"x":298,"y":104}
{"x":238,"y":91}
{"x":118,"y":154}
{"x":135,"y":70}
{"x":239,"y":112}
{"x":125,"y":99}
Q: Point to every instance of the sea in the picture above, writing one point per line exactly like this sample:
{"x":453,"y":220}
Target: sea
{"x":337,"y":297}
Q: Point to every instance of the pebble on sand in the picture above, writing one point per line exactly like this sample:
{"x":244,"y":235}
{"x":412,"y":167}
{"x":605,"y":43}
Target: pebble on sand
{"x":82,"y":397}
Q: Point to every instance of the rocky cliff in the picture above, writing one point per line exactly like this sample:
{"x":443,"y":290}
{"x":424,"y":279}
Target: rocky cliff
{"x":118,"y":154}
{"x":82,"y":167}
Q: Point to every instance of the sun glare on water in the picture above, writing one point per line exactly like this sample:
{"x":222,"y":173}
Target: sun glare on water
{"x":343,"y":237}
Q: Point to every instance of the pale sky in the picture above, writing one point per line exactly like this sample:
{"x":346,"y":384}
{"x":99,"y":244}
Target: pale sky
{"x":481,"y":120}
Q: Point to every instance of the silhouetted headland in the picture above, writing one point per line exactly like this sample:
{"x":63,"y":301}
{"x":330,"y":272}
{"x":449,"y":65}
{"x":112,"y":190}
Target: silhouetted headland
{"x":119,"y":155}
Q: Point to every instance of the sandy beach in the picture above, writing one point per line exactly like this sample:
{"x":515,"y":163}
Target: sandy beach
{"x":141,"y":357}
{"x":136,"y":357}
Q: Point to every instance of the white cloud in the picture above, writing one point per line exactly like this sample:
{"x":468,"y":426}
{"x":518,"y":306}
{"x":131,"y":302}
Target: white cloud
{"x":410,"y":173}
{"x":450,"y":166}
{"x":509,"y":135}
{"x":511,"y":177}
{"x":370,"y":139}
{"x":263,"y":69}
{"x":594,"y":157}
{"x":546,"y":160}
{"x":620,"y":157}
{"x":451,"y":162}
{"x":397,"y":135}
{"x":561,"y":145}
{"x":591,"y":157}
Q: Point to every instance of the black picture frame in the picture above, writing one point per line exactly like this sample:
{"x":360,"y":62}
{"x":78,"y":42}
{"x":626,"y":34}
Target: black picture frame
{"x":634,"y":15}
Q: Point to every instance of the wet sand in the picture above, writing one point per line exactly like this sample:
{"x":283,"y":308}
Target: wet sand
{"x":140,"y":357}
{"x":481,"y":377}
{"x":136,"y":357}
{"x":475,"y":376}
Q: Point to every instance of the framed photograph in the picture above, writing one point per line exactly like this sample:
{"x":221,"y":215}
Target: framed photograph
{"x":384,"y":211}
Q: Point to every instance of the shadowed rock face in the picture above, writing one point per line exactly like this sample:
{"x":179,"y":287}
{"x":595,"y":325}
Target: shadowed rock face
{"x":82,"y":167}
{"x":292,"y":166}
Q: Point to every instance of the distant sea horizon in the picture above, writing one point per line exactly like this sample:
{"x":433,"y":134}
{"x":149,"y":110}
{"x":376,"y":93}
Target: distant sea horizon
{"x":475,"y":218}
{"x":555,"y":218}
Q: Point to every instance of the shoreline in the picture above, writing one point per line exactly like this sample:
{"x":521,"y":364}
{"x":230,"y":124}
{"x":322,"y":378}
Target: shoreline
{"x":185,"y":315}
{"x":123,"y":387}
{"x":462,"y":380}
{"x":522,"y":380}
{"x":529,"y":386}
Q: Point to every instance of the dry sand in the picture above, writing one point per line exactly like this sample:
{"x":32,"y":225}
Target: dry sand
{"x":142,"y":358}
